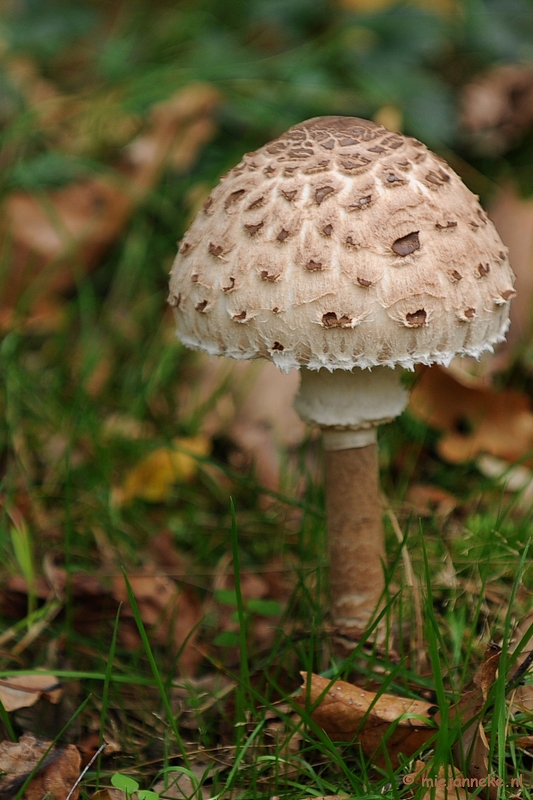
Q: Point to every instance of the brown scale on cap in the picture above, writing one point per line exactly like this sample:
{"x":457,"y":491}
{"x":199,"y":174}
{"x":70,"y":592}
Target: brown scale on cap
{"x":345,"y":205}
{"x":331,"y":320}
{"x":508,"y":294}
{"x":215,"y":249}
{"x":314,"y":266}
{"x":407,"y":244}
{"x":185,"y":248}
{"x":322,"y":193}
{"x":233,"y":197}
{"x":256,"y":203}
{"x":231,"y":286}
{"x":265,"y":275}
{"x":446,"y":226}
{"x":361,"y":202}
{"x":254,"y":228}
{"x":416,"y":318}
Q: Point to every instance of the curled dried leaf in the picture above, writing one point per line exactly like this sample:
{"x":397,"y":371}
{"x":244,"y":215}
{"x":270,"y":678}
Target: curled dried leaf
{"x":347,"y":712}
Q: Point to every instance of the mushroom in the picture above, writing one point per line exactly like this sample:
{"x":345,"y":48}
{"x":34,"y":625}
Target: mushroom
{"x":349,"y":252}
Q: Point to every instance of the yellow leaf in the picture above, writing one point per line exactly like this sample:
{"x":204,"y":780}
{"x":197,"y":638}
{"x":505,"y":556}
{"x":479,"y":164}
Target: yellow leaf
{"x":153,"y":477}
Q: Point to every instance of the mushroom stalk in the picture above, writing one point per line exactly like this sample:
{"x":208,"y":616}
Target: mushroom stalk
{"x":349,"y":406}
{"x":355,"y":538}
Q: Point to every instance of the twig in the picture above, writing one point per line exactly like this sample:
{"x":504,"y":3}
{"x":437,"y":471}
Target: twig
{"x":85,"y":769}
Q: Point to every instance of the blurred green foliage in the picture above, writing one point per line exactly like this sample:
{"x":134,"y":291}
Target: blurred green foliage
{"x":276,"y":62}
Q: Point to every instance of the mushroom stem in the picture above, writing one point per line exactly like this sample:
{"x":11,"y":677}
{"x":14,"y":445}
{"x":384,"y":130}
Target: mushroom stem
{"x":348,"y":406}
{"x":356,"y":539}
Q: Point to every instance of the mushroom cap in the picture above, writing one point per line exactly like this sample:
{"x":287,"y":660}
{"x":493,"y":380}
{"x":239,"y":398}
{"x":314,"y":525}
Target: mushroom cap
{"x":341,"y":245}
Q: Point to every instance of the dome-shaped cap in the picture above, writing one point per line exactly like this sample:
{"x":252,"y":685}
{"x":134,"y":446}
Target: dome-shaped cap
{"x":338,"y":245}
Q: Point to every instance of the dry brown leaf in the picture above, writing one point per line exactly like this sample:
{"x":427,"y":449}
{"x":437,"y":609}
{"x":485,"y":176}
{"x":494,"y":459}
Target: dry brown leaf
{"x":428,"y":501}
{"x":170,"y":611}
{"x":55,"y":236}
{"x":82,"y":124}
{"x":266,"y":423}
{"x":153,"y":477}
{"x":513,"y":217}
{"x":172,"y":614}
{"x":348,"y":712}
{"x":255,"y":412}
{"x":330,"y":797}
{"x":525,"y":741}
{"x":446,"y":784}
{"x":25,"y":690}
{"x":472,"y":750}
{"x":181,"y":786}
{"x":475,"y":418}
{"x":497,"y":108}
{"x":273,"y":582}
{"x":55,"y":778}
{"x":162,"y":548}
{"x":284,"y":741}
{"x":522,"y":698}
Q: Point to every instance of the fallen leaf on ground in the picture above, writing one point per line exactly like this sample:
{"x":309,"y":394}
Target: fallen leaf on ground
{"x":446,"y":784}
{"x":475,"y":418}
{"x":253,"y":409}
{"x":265,"y":595}
{"x":183,"y":786}
{"x":330,"y":797}
{"x":266,"y":423}
{"x":525,"y":741}
{"x":471,"y":752}
{"x":522,"y":697}
{"x":153,"y":477}
{"x":83,"y":123}
{"x":55,"y":778}
{"x":25,"y":690}
{"x":497,"y":107}
{"x":428,"y":501}
{"x":513,"y":216}
{"x":516,"y":479}
{"x":171,"y":613}
{"x":54,"y":236}
{"x":348,"y":712}
{"x":284,"y":741}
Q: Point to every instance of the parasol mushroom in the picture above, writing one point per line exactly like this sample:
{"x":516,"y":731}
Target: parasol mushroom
{"x":349,"y":252}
